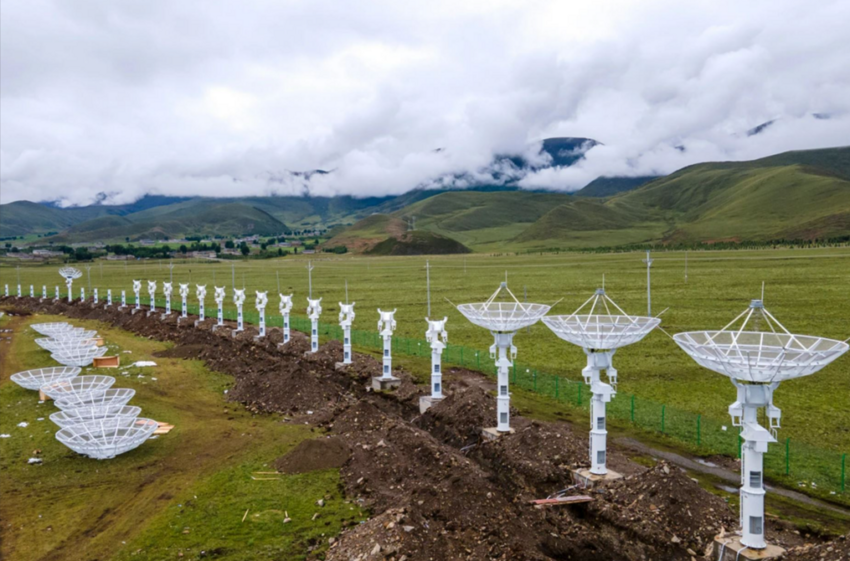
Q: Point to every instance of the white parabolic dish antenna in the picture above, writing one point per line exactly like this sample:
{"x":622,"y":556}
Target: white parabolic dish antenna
{"x":604,"y":330}
{"x":71,"y":354}
{"x":80,"y":386}
{"x":503,"y":319}
{"x":50,"y":329}
{"x":97,"y":398}
{"x":106,"y":438}
{"x":759,"y":356}
{"x":70,"y":417}
{"x":757,"y":353}
{"x":70,"y":273}
{"x":35,"y":379}
{"x":600,"y":327}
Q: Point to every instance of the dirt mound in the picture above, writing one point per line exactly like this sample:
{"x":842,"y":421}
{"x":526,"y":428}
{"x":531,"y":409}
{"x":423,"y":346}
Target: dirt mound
{"x":313,"y":454}
{"x":836,"y":550}
{"x":659,"y":506}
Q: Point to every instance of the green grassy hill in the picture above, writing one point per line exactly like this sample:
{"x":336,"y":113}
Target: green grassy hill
{"x":23,"y":217}
{"x":419,"y":242}
{"x":794,"y":195}
{"x":609,"y":186}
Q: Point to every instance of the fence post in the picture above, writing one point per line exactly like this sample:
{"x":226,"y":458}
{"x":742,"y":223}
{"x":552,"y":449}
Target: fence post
{"x":788,"y":455}
{"x":699,"y":429}
{"x":477,"y":360}
{"x":633,"y":408}
{"x":663,"y":412}
{"x":461,"y":357}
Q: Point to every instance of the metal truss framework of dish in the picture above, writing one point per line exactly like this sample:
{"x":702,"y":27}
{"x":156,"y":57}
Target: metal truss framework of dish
{"x":54,"y":345}
{"x":103,"y":439}
{"x":757,"y":356}
{"x":36,"y":378}
{"x":600,"y":327}
{"x":49,"y":329}
{"x":78,"y":356}
{"x":757,"y":360}
{"x":68,"y":417}
{"x":503,"y":319}
{"x":70,"y":273}
{"x":96,"y":398}
{"x":75,"y":334}
{"x":79,"y":385}
{"x":601,"y":331}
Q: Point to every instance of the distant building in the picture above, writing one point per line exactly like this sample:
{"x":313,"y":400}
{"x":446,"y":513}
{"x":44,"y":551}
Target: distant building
{"x":227,"y":251}
{"x":308,"y":251}
{"x":47,"y":253}
{"x":147,"y":242}
{"x":202,"y":254}
{"x":120,"y":257}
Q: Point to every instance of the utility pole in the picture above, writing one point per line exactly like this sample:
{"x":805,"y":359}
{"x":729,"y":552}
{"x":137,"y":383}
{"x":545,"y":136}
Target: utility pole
{"x":310,"y":277}
{"x":428,"y":284}
{"x":648,"y":262}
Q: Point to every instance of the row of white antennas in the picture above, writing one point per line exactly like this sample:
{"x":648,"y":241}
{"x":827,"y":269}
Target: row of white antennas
{"x":756,"y":360}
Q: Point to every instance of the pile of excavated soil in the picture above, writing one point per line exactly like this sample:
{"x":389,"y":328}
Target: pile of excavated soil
{"x":435,"y":488}
{"x":313,"y":454}
{"x":836,"y":550}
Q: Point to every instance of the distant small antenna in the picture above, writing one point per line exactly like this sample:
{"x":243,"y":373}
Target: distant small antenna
{"x":648,"y":262}
{"x":762,"y":291}
{"x":686,"y":266}
{"x":171,"y":271}
{"x":603,"y":281}
{"x":88,"y":274}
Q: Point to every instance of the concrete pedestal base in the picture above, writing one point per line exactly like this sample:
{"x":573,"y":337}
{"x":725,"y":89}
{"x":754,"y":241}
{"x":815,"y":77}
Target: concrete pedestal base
{"x":236,"y":332}
{"x":339,"y":365}
{"x":164,"y":316}
{"x":492,"y":433}
{"x":133,"y":311}
{"x":182,"y":321}
{"x":259,"y":337}
{"x":588,"y":480}
{"x":150,"y":313}
{"x":730,"y":548}
{"x":426,"y":401}
{"x":390,"y":383}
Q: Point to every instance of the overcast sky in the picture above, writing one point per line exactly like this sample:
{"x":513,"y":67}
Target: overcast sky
{"x":225,"y":98}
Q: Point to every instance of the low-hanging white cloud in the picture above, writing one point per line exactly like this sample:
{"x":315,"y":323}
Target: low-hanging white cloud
{"x":221,"y":99}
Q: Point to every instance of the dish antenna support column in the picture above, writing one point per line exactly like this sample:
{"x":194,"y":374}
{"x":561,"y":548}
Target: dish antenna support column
{"x":108,"y":297}
{"x":152,"y":293}
{"x":137,"y":289}
{"x":261,"y":303}
{"x":314,"y":310}
{"x":285,"y":308}
{"x":648,"y":262}
{"x":346,"y":318}
{"x":43,"y":293}
{"x":123,"y":300}
{"x":219,"y":300}
{"x":201,"y":293}
{"x":94,"y":297}
{"x":82,"y":294}
{"x":437,"y":336}
{"x":239,"y":300}
{"x":386,"y":326}
{"x":167,"y":289}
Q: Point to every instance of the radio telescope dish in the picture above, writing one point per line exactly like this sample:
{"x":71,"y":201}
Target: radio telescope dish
{"x":49,"y":329}
{"x":103,"y":439}
{"x":35,"y":379}
{"x":70,"y":273}
{"x":98,"y":398}
{"x":77,"y":355}
{"x":600,"y":334}
{"x":756,"y":356}
{"x":757,"y":353}
{"x":604,"y":330}
{"x":70,"y":417}
{"x":79,"y":333}
{"x":78,"y":386}
{"x":503,"y":319}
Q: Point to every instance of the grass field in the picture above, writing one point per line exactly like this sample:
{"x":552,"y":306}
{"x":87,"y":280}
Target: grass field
{"x":185,"y":492}
{"x":805,"y":289}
